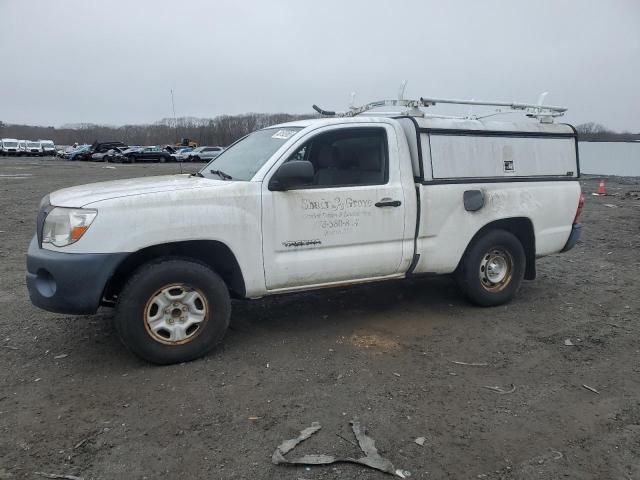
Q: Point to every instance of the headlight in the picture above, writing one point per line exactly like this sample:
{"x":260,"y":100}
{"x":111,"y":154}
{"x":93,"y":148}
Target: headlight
{"x":64,"y":226}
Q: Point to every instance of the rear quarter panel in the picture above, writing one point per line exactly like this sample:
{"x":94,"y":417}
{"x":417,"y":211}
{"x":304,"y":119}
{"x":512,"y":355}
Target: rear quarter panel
{"x":446,"y":228}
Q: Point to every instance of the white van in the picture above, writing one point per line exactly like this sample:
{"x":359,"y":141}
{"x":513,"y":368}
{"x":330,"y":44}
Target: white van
{"x":48,"y":148}
{"x":311,"y":204}
{"x":9,"y":146}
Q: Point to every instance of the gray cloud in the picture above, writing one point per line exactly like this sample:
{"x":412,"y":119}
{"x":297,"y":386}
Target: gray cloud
{"x":115,"y":62}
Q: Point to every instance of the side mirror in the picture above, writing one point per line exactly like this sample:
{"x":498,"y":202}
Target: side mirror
{"x":295,"y":173}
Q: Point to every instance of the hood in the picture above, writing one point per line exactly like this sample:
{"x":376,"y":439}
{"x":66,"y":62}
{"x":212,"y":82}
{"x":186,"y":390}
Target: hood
{"x":94,"y":192}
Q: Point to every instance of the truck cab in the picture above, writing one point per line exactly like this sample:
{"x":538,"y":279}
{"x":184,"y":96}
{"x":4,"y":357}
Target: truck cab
{"x":304,"y":205}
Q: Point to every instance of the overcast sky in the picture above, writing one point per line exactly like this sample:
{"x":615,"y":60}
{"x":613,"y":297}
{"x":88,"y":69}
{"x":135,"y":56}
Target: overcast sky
{"x":114,"y":62}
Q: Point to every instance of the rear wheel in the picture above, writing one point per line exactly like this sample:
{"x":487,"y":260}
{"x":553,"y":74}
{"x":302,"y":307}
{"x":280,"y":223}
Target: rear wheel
{"x":173,"y":311}
{"x":492,"y":268}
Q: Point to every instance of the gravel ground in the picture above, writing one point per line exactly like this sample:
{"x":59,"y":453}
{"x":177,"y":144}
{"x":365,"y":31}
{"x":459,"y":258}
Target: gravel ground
{"x":74,"y":401}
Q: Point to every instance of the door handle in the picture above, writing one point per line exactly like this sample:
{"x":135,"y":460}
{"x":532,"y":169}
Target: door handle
{"x":387,"y":202}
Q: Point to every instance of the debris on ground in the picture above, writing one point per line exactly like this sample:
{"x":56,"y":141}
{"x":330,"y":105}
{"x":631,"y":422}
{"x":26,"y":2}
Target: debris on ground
{"x":591,"y":389}
{"x":372,"y":458}
{"x":568,"y":342}
{"x":55,"y":475}
{"x":61,"y":356}
{"x":501,"y":390}
{"x":472,"y":364}
{"x":420,"y":441}
{"x":89,"y":438}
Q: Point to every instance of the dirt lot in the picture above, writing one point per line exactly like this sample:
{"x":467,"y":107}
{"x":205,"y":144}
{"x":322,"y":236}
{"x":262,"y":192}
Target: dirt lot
{"x":73,"y":401}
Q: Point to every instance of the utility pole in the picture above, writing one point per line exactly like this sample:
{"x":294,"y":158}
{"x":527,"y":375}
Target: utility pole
{"x":175,"y":122}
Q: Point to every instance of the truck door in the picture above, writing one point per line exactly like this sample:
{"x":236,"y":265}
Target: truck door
{"x":346,"y":224}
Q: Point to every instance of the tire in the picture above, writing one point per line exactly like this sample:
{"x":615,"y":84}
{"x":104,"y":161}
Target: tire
{"x":132,"y":159}
{"x":491,"y":270}
{"x":190,"y":326}
{"x":162,"y":159}
{"x":195,"y":159}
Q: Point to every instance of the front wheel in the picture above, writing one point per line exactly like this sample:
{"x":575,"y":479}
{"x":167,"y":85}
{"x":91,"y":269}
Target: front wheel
{"x":173,"y":311}
{"x":492,"y":268}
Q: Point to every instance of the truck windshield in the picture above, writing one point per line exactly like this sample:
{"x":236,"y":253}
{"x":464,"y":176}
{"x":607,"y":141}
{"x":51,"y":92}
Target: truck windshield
{"x":10,"y":144}
{"x":244,"y":158}
{"x":33,"y":144}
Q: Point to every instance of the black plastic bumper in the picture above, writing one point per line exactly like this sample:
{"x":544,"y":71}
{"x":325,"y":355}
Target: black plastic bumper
{"x":573,"y":237}
{"x":70,"y":283}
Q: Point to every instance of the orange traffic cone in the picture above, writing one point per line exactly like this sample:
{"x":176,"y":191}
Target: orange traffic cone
{"x":601,"y":190}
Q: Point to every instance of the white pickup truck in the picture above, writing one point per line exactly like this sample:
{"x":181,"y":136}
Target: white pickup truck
{"x":304,"y":205}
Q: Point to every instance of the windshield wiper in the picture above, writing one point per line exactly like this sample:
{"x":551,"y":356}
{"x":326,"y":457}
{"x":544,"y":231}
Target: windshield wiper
{"x":221,"y":174}
{"x":197,"y":174}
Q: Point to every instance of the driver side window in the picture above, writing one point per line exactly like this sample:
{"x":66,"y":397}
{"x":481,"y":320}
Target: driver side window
{"x":347,"y":157}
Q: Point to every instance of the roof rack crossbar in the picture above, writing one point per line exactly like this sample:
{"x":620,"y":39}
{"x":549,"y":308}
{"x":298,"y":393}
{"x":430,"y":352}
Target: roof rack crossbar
{"x":513,"y":105}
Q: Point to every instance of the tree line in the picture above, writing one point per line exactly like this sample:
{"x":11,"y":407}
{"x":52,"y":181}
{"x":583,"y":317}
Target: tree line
{"x":595,"y":132}
{"x":222,"y":130}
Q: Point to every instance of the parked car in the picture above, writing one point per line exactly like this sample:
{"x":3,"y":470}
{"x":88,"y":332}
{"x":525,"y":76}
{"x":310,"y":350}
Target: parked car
{"x":105,"y":156}
{"x":99,"y":148}
{"x":204,"y":154}
{"x":65,"y":151}
{"x":80,"y":153}
{"x":48,"y":147}
{"x":182,"y":154}
{"x":22,"y":147}
{"x":120,"y":154}
{"x":147,"y":154}
{"x":9,"y":146}
{"x":309,"y":204}
{"x":33,"y":148}
{"x":104,"y":146}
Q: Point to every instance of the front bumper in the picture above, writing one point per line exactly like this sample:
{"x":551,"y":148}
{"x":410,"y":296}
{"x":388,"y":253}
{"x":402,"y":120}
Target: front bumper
{"x":574,"y":236}
{"x":71,"y":283}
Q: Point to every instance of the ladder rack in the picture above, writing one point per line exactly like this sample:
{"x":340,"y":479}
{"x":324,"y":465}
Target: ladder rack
{"x":544,"y":113}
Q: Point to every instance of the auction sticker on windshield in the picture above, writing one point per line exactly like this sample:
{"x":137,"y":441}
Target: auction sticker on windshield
{"x":284,"y":134}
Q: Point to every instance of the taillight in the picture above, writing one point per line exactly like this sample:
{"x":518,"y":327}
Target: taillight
{"x":579,"y":210}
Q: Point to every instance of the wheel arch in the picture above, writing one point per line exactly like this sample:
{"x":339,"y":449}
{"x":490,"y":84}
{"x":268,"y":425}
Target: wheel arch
{"x":215,"y":254}
{"x":522,"y":228}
